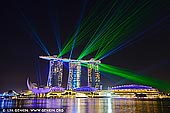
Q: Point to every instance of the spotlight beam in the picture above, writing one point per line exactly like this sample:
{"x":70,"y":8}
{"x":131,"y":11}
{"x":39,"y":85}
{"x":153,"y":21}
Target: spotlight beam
{"x":35,"y":36}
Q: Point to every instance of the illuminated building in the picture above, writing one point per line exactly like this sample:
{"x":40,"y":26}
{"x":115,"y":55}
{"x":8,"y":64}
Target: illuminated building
{"x":133,"y":87}
{"x":85,"y":89}
{"x":134,"y":90}
{"x":93,"y":74}
{"x":55,"y":73}
{"x":74,"y":75}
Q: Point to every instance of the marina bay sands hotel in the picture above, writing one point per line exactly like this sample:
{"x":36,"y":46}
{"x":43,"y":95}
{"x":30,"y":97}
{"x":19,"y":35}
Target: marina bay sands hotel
{"x":55,"y":75}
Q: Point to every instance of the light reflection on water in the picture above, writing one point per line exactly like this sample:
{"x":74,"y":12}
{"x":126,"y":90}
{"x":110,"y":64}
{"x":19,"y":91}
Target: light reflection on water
{"x":93,"y":105}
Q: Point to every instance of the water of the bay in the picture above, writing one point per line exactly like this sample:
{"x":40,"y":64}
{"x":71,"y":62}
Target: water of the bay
{"x":91,"y":105}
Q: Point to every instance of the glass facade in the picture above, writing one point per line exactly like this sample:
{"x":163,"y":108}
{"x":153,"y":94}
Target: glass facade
{"x":55,"y":73}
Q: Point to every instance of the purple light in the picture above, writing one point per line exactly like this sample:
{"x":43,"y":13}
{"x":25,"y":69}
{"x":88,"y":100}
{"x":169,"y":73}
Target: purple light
{"x":133,"y":86}
{"x":86,"y":88}
{"x":40,"y":90}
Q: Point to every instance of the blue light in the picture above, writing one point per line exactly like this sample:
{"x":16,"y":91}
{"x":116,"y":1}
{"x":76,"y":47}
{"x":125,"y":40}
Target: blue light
{"x":132,"y":86}
{"x":77,"y":29}
{"x":133,"y":40}
{"x":35,"y":36}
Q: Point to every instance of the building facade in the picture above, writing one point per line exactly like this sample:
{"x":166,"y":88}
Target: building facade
{"x":55,"y":73}
{"x":74,"y":75}
{"x":93,"y":75}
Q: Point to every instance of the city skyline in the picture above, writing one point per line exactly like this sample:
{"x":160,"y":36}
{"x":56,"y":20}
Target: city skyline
{"x":20,"y":21}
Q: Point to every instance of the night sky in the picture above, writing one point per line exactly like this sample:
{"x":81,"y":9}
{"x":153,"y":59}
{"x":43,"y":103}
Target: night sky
{"x":19,"y":51}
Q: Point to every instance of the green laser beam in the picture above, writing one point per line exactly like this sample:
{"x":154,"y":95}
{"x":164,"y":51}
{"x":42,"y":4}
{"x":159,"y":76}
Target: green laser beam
{"x":135,"y":77}
{"x":146,"y":80}
{"x":115,"y":25}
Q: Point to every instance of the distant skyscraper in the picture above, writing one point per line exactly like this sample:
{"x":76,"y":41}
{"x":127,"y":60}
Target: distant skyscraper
{"x":74,"y":75}
{"x":93,"y":75}
{"x":55,"y":73}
